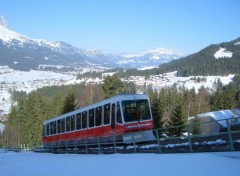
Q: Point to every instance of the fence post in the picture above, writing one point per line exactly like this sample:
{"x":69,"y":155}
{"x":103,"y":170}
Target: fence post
{"x":99,"y":147}
{"x":86,"y":145}
{"x":134,"y":144}
{"x":230,"y":134}
{"x":189,"y":138}
{"x":158,"y":141}
{"x":114,"y":143}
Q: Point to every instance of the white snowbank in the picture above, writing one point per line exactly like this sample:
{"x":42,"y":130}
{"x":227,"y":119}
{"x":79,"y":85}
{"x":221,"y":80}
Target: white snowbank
{"x":223,"y":53}
{"x":237,"y":43}
{"x":197,"y":164}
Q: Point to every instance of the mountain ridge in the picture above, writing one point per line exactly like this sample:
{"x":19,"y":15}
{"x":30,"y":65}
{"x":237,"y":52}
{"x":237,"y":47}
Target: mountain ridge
{"x":20,"y":52}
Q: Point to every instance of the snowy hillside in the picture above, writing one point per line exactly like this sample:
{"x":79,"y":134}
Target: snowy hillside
{"x":221,"y":53}
{"x":28,"y":81}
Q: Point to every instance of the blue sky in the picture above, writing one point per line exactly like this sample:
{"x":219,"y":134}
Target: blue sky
{"x":129,"y":26}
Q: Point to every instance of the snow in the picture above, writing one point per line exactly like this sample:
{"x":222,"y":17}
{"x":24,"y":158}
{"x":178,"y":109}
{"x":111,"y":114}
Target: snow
{"x":7,"y":36}
{"x":156,"y":52}
{"x":188,"y":164}
{"x":221,"y":115}
{"x":160,"y":81}
{"x":27,"y":81}
{"x":237,"y":43}
{"x":221,"y":53}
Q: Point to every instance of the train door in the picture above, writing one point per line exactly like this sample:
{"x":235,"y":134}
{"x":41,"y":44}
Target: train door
{"x":91,"y":129}
{"x":113,"y":107}
{"x":106,"y":120}
{"x":84,"y":125}
{"x":98,"y":121}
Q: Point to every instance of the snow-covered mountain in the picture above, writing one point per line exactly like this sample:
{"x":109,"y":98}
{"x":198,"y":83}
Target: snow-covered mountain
{"x":20,"y":52}
{"x":150,"y":58}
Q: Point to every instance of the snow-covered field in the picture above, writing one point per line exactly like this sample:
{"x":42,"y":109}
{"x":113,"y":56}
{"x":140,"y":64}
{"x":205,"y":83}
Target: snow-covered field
{"x":28,"y":81}
{"x":189,"y":164}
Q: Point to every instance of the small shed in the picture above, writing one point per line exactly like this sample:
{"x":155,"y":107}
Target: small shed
{"x":214,"y":122}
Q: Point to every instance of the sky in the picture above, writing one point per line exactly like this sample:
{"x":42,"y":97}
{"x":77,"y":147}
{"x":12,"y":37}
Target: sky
{"x":126,"y":26}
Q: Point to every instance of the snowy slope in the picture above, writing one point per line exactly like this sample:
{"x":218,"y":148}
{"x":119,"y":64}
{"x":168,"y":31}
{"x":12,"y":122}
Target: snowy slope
{"x":222,"y":53}
{"x":197,"y":164}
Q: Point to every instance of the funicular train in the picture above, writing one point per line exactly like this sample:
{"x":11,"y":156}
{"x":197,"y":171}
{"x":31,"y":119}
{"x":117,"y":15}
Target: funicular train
{"x":126,"y":117}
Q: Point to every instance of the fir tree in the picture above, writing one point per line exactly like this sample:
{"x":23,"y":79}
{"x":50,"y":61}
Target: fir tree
{"x":69,"y":102}
{"x":176,"y":121}
{"x":112,"y":86}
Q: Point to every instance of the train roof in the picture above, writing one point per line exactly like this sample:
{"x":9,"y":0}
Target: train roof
{"x":100,"y":103}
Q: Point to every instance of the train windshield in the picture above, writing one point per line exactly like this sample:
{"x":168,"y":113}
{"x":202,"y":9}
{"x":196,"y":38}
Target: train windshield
{"x":136,"y":110}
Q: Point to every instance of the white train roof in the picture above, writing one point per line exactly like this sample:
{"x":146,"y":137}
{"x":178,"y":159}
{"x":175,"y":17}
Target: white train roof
{"x":120,"y":98}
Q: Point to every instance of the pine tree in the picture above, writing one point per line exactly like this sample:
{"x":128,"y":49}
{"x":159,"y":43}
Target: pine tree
{"x":69,"y":102}
{"x":155,"y":104}
{"x":176,"y":121}
{"x":112,"y":86}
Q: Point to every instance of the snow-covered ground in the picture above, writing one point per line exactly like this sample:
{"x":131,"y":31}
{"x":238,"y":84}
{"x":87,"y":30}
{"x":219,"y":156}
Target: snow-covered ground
{"x":189,"y":164}
{"x":28,"y":81}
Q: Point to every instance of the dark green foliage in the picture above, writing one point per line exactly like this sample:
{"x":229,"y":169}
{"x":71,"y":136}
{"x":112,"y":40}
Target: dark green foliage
{"x":176,"y":119}
{"x":112,"y":86}
{"x":155,"y":107}
{"x":225,"y":97}
{"x":69,"y":102}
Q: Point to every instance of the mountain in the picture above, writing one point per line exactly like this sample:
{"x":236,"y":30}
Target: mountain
{"x":150,"y":58}
{"x":20,"y":52}
{"x":216,"y":59}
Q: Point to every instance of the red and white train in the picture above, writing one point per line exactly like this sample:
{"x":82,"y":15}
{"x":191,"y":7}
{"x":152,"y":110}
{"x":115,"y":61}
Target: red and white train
{"x":126,"y":117}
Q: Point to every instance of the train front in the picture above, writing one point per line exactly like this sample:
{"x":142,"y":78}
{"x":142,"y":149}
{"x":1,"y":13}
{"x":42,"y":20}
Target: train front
{"x":138,"y":120}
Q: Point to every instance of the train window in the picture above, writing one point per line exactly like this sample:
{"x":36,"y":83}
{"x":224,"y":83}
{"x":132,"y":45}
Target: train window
{"x":73,"y":123}
{"x":68,"y":123}
{"x":135,"y":110}
{"x":59,"y":126}
{"x":48,"y":132}
{"x":113,"y":116}
{"x":78,"y":121}
{"x":54,"y":127}
{"x":98,"y":120}
{"x":51,"y":128}
{"x":63,"y":125}
{"x":44,"y":130}
{"x":119,"y":116}
{"x":91,"y":118}
{"x":84,"y":120}
{"x":106,"y":114}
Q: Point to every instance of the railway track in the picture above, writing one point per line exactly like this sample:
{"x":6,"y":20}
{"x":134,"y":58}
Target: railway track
{"x":218,"y":142}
